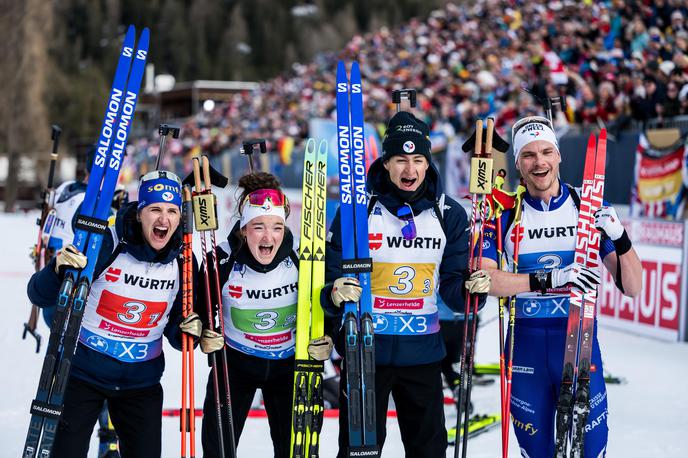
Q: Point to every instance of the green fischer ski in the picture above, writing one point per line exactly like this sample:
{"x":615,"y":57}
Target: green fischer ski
{"x":477,"y":424}
{"x":308,"y":408}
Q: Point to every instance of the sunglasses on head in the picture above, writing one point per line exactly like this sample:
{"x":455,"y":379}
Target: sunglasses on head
{"x":408,"y":230}
{"x":259,"y":197}
{"x":155,"y":174}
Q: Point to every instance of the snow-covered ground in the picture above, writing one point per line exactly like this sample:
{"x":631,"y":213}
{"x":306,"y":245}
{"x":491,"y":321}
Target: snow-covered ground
{"x":647,"y":415}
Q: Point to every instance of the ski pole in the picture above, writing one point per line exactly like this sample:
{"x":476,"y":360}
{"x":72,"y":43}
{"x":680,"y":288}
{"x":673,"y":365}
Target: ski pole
{"x":480,"y":184}
{"x":187,"y":416}
{"x":205,"y":219}
{"x":249,"y":147}
{"x":404,"y":94}
{"x":39,"y":254}
{"x":474,"y":211}
{"x":164,"y":130}
{"x":202,"y":201}
{"x":518,"y":235}
{"x":548,"y":104}
{"x":499,"y":182}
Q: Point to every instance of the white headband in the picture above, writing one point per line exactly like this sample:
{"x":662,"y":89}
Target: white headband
{"x":531,"y":129}
{"x":249,"y":212}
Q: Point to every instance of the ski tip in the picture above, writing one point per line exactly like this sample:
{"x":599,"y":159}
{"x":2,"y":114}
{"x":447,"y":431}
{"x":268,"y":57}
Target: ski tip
{"x":145,"y":37}
{"x":310,"y":146}
{"x":341,"y":67}
{"x":323,"y":147}
{"x":131,"y":33}
{"x":603,"y":134}
{"x":355,"y":70}
{"x":591,"y":140}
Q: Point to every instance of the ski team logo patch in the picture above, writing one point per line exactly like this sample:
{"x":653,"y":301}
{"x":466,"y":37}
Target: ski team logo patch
{"x":409,"y":146}
{"x":167,"y":196}
{"x":375,"y":241}
{"x":235,"y":291}
{"x":112,"y":274}
{"x":377,"y":211}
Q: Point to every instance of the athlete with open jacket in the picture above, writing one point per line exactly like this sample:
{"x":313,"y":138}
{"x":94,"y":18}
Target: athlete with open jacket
{"x":418,"y":240}
{"x":134,"y":300}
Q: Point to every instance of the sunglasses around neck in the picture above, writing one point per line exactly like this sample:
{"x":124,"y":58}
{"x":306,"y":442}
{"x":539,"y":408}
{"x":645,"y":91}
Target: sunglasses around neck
{"x":405,"y":214}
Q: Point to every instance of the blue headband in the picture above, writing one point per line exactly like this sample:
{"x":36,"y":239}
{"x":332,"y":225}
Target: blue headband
{"x":160,"y":187}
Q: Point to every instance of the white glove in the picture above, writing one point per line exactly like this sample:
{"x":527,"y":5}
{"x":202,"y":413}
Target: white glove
{"x":576,"y":275}
{"x":192,"y":325}
{"x":479,"y":282}
{"x":69,"y":256}
{"x":211,"y":341}
{"x":320,"y":349}
{"x":607,"y":221}
{"x":346,"y":289}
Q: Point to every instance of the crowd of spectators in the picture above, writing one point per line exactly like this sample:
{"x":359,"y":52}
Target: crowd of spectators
{"x":615,"y":61}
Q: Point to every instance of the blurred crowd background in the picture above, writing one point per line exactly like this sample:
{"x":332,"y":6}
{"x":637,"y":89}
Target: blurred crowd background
{"x":616,"y":62}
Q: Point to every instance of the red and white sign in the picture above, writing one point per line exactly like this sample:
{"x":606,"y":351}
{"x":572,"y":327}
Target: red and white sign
{"x":384,"y":303}
{"x":276,"y":339}
{"x":133,"y":313}
{"x":660,"y":309}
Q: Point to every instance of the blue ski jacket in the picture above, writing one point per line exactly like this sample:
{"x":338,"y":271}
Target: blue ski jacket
{"x":98,"y":368}
{"x":405,"y":350}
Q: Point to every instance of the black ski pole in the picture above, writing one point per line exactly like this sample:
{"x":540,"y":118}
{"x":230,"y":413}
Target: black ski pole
{"x":249,"y":147}
{"x":164,"y":130}
{"x":548,"y":104}
{"x":47,"y":203}
{"x":404,"y":94}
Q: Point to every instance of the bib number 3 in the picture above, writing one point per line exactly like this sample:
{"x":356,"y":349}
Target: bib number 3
{"x":404,"y":285}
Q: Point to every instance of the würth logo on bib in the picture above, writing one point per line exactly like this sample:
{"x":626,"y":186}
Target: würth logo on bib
{"x":375,"y":241}
{"x":148,"y":283}
{"x":235,"y":291}
{"x":113,"y":274}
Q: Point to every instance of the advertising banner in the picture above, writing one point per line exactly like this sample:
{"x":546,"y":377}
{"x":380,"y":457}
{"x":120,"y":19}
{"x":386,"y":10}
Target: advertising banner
{"x":660,"y":309}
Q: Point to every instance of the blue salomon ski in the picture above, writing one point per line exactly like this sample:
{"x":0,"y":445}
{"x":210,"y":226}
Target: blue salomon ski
{"x":356,"y":261}
{"x":91,"y":225}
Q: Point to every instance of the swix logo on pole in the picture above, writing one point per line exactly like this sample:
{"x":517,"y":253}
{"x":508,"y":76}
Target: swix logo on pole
{"x":203,"y":212}
{"x":482,"y":175}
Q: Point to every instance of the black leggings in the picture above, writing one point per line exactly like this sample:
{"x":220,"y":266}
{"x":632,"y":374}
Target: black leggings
{"x":136,"y":415}
{"x":417,"y":394}
{"x":275,"y":378}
